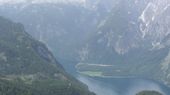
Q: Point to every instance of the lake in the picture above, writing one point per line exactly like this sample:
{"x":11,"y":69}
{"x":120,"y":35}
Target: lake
{"x":122,"y":86}
{"x":117,"y":86}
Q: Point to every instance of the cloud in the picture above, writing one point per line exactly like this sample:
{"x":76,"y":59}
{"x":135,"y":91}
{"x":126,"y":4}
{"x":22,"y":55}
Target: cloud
{"x":40,"y":1}
{"x":11,"y":1}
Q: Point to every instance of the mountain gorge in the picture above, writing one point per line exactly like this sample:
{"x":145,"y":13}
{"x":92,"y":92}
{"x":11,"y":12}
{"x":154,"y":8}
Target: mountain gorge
{"x":57,"y":24}
{"x":127,"y":38}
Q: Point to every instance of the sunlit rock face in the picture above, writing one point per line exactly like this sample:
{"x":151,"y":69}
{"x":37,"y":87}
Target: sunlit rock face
{"x":120,"y":31}
{"x":135,"y":24}
{"x":155,"y":23}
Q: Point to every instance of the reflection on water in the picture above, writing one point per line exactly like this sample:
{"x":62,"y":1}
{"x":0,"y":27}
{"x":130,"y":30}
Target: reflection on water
{"x":96,"y":86}
{"x":140,"y":85}
{"x":121,"y":86}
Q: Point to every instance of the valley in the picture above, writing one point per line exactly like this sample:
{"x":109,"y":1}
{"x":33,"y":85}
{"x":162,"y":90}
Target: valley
{"x":109,"y":45}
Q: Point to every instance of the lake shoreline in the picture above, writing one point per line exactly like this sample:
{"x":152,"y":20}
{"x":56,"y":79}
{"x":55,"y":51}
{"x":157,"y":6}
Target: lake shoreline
{"x":127,"y":84}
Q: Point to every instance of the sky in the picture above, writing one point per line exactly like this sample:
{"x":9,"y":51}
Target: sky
{"x":38,"y":1}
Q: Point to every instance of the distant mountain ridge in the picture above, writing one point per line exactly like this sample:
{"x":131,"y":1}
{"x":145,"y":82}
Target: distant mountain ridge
{"x":57,"y":24}
{"x":131,"y":35}
{"x":91,"y":4}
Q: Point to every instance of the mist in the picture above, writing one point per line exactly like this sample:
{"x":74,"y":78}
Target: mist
{"x":109,"y":44}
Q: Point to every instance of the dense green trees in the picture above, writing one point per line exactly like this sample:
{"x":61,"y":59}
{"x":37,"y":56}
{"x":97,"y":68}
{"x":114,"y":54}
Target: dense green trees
{"x":27,"y":67}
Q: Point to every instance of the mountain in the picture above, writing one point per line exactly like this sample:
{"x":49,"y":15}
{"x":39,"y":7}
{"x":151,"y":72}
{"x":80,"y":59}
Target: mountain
{"x":57,"y":24}
{"x":133,"y":41}
{"x":133,"y":24}
{"x":28,"y":67}
{"x":114,"y":38}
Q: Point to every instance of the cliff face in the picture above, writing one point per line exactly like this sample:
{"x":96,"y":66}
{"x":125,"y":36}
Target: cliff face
{"x":135,"y":24}
{"x":135,"y":35}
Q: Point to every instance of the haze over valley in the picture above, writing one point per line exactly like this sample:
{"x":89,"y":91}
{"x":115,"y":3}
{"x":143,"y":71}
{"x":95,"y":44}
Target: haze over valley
{"x":108,"y":45}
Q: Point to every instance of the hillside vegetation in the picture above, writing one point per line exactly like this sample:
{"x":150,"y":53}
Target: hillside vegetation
{"x":27,"y":67}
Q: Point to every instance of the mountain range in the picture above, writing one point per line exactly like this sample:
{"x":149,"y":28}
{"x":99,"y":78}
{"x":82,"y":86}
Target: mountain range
{"x":124,"y":38}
